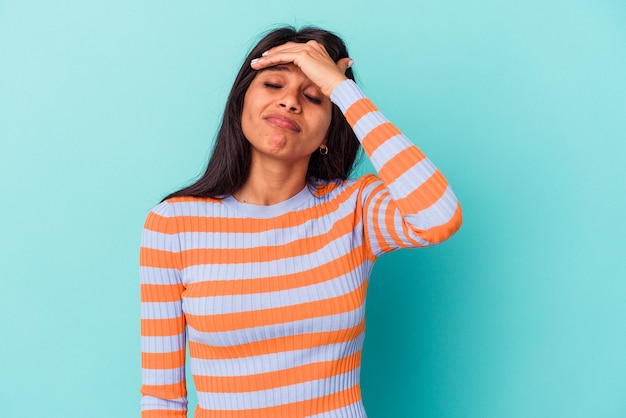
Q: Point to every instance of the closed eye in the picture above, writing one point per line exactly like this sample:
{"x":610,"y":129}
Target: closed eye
{"x":312,"y":99}
{"x":275,"y":86}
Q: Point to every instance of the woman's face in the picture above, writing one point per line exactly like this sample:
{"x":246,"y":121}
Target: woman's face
{"x":285,"y":116}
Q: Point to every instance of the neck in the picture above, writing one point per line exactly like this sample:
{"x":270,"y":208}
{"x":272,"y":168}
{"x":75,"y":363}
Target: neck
{"x":268,"y":185}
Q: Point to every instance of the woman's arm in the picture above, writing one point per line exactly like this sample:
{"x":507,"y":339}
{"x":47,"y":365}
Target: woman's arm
{"x":413,"y":206}
{"x":164,"y":393}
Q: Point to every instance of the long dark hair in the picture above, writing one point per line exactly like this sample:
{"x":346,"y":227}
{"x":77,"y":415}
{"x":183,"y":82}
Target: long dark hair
{"x":229,"y":165}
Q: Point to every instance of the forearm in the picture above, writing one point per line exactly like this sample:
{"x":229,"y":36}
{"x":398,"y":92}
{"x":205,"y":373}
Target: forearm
{"x":418,"y":189}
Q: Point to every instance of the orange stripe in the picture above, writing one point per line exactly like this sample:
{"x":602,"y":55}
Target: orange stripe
{"x":276,"y":379}
{"x":158,"y":223}
{"x":325,"y":188}
{"x":275,"y":345}
{"x":162,"y":361}
{"x":151,"y":257}
{"x":425,"y":195}
{"x":171,"y":391}
{"x":408,"y":234}
{"x":378,"y":234}
{"x":162,"y":327}
{"x":359,"y":109}
{"x":270,"y":316}
{"x":391,"y":226}
{"x":161,"y":292}
{"x":401,"y":163}
{"x":367,"y":203}
{"x":183,"y":199}
{"x":341,"y":266}
{"x":378,"y":135}
{"x":297,"y":409}
{"x":179,"y":224}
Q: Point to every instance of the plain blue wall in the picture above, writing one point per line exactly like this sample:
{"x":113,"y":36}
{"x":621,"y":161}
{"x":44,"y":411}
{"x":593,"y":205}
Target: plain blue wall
{"x":105,"y":106}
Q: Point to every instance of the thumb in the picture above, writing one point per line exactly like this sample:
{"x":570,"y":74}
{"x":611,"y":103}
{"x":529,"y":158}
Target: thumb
{"x":344,"y":64}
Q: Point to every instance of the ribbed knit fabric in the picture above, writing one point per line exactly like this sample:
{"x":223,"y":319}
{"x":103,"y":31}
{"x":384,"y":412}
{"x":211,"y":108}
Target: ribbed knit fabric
{"x":272,"y":298}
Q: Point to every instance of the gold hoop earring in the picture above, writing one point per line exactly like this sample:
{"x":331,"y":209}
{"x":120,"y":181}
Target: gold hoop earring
{"x":323,"y":149}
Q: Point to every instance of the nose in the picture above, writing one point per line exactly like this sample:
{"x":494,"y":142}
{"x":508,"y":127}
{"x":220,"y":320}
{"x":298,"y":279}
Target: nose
{"x":290,"y":107}
{"x":290,"y":101}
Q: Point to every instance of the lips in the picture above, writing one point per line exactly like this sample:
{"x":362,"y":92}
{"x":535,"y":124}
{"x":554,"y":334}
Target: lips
{"x":283,"y":122}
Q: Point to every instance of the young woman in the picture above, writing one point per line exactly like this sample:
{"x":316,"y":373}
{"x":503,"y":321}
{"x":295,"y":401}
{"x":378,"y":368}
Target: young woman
{"x":262,"y":264}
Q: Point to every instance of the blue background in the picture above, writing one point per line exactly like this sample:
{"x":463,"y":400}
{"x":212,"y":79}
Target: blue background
{"x":106,"y":106}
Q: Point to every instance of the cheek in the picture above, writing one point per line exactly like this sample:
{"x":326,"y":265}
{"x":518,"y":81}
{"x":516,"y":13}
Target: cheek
{"x":246,"y":118}
{"x":324,"y":123}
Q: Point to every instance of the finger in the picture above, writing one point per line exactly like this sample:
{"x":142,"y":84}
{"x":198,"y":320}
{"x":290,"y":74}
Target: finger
{"x":294,"y":53}
{"x":286,"y":47}
{"x":344,"y":64}
{"x":312,"y":48}
{"x":270,"y":60}
{"x":282,"y":56}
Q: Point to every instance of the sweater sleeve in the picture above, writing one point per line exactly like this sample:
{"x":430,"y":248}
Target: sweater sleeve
{"x":164,"y":393}
{"x":412,"y":204}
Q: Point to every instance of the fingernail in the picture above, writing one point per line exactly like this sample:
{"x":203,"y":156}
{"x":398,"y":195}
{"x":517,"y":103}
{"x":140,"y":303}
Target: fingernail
{"x":265,"y":53}
{"x":350,"y":63}
{"x":254,"y":61}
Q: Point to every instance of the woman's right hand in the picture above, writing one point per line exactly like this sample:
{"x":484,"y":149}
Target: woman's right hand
{"x":312,"y":59}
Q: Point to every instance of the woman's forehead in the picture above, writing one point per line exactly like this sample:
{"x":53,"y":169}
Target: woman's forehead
{"x":289,"y":70}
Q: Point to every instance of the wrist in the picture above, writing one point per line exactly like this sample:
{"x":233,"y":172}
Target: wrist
{"x":332,"y":86}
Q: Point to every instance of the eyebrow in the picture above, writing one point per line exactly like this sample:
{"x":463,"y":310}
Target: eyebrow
{"x":279,"y":67}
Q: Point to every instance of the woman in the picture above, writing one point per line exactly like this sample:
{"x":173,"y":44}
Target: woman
{"x":262,"y":264}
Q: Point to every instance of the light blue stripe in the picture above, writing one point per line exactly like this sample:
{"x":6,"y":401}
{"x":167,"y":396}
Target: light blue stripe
{"x":149,"y":403}
{"x":156,"y":240}
{"x":161,"y":209}
{"x":163,"y":376}
{"x":411,"y":179}
{"x":356,"y":410}
{"x":163,"y":344}
{"x":158,"y":275}
{"x":195,"y":207}
{"x":339,"y":286}
{"x":299,"y":201}
{"x":268,"y":269}
{"x":277,"y":361}
{"x":398,"y":221}
{"x":161,"y":310}
{"x":279,"y":236}
{"x":345,"y":94}
{"x":377,"y":219}
{"x":249,"y":335}
{"x":437,"y":214}
{"x":368,"y":122}
{"x":387,"y":150}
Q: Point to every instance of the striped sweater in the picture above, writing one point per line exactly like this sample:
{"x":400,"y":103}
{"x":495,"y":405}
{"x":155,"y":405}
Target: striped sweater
{"x":271,"y":299}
